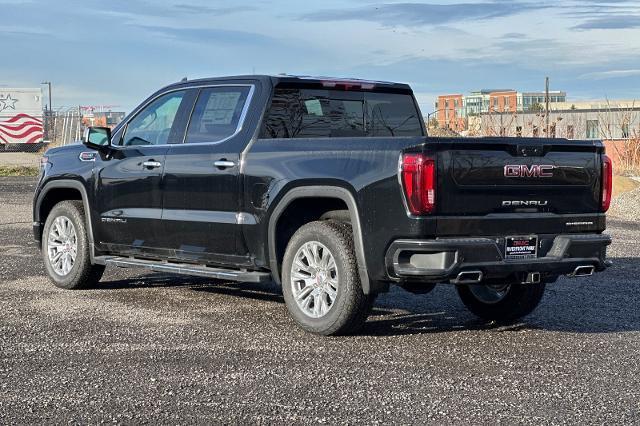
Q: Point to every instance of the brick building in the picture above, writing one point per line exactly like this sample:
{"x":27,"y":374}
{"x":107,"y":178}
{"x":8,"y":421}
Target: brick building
{"x":453,"y":111}
{"x":449,"y":112}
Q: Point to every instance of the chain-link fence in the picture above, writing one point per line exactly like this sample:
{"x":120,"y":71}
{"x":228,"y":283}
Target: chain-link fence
{"x":63,"y":127}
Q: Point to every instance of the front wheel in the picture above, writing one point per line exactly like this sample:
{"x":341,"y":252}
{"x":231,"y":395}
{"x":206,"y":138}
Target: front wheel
{"x":501,"y":302}
{"x":65,"y":248}
{"x":320,"y":280}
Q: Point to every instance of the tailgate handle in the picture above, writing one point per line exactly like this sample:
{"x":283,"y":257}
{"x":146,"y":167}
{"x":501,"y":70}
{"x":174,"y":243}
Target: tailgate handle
{"x":530,"y":151}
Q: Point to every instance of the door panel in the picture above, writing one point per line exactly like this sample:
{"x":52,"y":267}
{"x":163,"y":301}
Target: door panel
{"x":129,"y":197}
{"x":200,"y":202}
{"x":201,"y":180}
{"x":129,"y":180}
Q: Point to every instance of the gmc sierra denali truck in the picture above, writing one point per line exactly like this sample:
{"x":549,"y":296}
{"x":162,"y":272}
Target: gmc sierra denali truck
{"x":329,"y":187}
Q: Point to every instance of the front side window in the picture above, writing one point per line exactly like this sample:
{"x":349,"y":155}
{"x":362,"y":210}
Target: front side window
{"x":217,"y":114}
{"x":154,"y":125}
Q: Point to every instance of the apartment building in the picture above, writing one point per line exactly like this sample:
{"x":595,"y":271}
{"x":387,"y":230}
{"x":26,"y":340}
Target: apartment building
{"x":450,"y":114}
{"x":452,"y":111}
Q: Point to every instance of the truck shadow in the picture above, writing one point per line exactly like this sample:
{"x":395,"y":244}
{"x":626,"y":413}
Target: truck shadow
{"x":605,"y":303}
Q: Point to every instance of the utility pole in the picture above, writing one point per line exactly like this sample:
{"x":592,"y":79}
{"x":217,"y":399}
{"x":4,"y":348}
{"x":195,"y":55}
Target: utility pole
{"x":546,"y":101}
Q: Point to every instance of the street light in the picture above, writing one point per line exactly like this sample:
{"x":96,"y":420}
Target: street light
{"x":48,"y":83}
{"x":48,"y":116}
{"x":434,"y":112}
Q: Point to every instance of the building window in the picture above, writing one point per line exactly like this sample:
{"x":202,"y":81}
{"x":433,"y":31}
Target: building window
{"x":519,"y":131}
{"x":592,"y":129}
{"x":570,"y":132}
{"x":625,"y":131}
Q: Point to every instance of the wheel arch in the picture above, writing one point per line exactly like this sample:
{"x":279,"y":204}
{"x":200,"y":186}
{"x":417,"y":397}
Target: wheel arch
{"x":60,"y":190}
{"x":318,"y":191}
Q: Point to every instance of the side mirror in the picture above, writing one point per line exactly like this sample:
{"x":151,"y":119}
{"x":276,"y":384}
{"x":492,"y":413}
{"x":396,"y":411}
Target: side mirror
{"x":98,"y":138}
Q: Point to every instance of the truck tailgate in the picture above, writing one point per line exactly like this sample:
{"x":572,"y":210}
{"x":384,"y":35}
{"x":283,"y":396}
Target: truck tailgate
{"x":509,"y":175}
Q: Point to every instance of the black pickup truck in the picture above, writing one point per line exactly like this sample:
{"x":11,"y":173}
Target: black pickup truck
{"x":329,"y":187}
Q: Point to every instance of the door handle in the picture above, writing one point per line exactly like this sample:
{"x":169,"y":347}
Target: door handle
{"x":151,"y":164}
{"x":223,"y":164}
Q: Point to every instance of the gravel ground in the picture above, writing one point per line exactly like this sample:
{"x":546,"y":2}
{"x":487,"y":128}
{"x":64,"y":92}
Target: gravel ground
{"x":627,"y":206}
{"x":150,"y":348}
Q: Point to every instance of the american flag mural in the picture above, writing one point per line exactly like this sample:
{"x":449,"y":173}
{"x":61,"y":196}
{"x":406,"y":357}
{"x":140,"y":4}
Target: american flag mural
{"x":20,"y":116}
{"x":21,"y":128}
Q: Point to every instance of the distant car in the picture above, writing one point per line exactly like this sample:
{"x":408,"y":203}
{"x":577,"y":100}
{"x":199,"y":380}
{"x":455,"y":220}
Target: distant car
{"x":329,"y":187}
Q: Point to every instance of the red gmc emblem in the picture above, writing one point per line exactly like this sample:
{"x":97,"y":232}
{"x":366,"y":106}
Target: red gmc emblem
{"x":534,"y":170}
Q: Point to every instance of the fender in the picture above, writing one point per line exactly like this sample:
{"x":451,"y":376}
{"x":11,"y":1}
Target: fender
{"x":320,"y":191}
{"x":70,"y":184}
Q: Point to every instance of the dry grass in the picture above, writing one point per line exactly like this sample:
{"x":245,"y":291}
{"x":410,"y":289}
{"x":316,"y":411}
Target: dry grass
{"x":629,"y":155}
{"x":622,"y":184}
{"x":18,"y":171}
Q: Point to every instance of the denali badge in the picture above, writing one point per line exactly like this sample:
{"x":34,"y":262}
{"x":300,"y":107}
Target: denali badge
{"x":534,"y":170}
{"x":516,"y":203}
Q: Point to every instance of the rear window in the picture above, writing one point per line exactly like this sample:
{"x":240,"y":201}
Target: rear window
{"x":310,"y":113}
{"x":391,"y":114}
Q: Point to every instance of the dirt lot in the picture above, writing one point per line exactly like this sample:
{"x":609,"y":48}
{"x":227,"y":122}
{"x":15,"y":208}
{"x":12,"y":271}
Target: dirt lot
{"x":23,"y":159}
{"x":161,"y":349}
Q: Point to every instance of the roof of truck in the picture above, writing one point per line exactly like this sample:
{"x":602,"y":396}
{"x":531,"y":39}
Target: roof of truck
{"x":298,"y":79}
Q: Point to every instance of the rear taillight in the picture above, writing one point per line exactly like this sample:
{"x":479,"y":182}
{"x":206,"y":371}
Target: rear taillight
{"x":418,"y":175}
{"x":607,"y":183}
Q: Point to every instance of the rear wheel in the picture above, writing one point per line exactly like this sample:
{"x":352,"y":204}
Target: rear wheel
{"x":320,"y":280}
{"x":65,"y":248}
{"x":501,"y":302}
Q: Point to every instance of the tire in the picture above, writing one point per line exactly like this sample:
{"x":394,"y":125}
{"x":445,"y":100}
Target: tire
{"x":72,"y":273}
{"x":511,"y":301}
{"x":317,"y":313}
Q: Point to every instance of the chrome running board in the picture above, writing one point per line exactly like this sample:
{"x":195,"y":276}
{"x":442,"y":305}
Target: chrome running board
{"x":185,"y":269}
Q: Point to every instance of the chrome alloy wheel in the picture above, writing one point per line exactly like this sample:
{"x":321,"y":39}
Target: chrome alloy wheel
{"x":314,"y":279}
{"x":490,"y":293}
{"x":62,"y":245}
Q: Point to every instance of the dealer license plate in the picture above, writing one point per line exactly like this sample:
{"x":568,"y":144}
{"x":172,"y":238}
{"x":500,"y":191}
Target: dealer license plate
{"x":521,"y":247}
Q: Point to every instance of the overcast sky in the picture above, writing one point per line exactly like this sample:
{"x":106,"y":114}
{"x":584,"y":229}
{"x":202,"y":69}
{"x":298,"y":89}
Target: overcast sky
{"x":119,"y":51}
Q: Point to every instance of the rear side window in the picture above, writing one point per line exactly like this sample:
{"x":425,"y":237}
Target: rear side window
{"x":307,"y":113}
{"x":217,"y":114}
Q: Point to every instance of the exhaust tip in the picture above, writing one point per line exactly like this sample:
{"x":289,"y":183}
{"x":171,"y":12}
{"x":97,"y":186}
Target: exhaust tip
{"x":532,"y":278}
{"x":468,"y":277}
{"x":582,"y":271}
